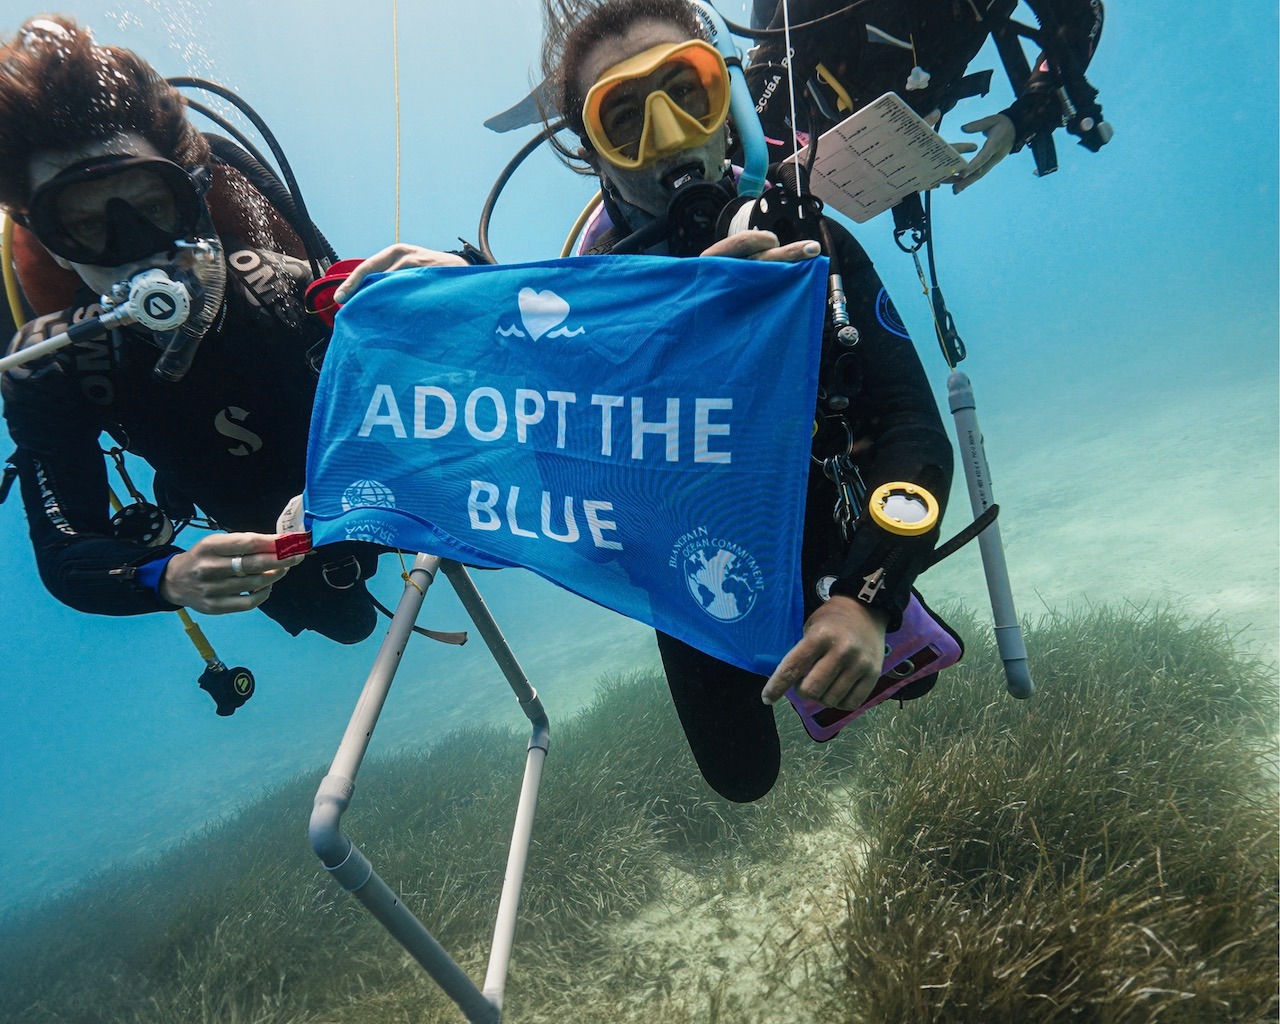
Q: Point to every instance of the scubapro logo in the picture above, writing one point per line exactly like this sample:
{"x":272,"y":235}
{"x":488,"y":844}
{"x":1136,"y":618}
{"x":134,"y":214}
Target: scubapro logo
{"x":723,"y":577}
{"x":367,"y":494}
{"x":540,"y":313}
{"x":227,"y":423}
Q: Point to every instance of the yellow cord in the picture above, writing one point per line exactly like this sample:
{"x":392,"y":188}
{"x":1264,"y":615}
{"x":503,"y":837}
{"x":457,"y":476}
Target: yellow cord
{"x":580,"y":223}
{"x":407,"y":577}
{"x":395,"y":64}
{"x":10,"y":273}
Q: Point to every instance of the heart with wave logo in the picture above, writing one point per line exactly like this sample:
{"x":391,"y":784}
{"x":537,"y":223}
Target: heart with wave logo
{"x":541,"y":311}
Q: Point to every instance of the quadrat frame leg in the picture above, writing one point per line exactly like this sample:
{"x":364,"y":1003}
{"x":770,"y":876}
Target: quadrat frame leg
{"x":344,"y":860}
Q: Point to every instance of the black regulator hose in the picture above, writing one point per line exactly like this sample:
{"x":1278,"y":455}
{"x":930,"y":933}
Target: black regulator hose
{"x":272,"y":189}
{"x":286,"y":172}
{"x":240,"y":137}
{"x":521,"y":156}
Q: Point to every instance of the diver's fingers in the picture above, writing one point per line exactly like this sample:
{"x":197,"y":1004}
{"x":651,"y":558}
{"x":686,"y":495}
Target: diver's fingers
{"x":221,"y":567}
{"x":400,"y":256}
{"x":827,"y":681}
{"x":792,"y":252}
{"x":839,"y":680}
{"x":964,"y":147}
{"x":249,"y":583}
{"x":230,"y":603}
{"x":983,"y":124}
{"x":860,"y":692}
{"x":791,"y":670}
{"x":999,"y":132}
{"x":743,"y":244}
{"x":227,"y":544}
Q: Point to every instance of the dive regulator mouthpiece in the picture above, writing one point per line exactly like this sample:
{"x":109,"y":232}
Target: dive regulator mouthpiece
{"x":156,"y":301}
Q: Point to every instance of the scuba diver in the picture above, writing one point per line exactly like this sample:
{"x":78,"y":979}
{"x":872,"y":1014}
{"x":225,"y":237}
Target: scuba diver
{"x":100,"y":166}
{"x":848,"y":54}
{"x":648,"y":99}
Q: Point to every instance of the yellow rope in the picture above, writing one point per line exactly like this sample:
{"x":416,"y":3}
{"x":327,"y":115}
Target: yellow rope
{"x":10,"y":274}
{"x":395,"y":64}
{"x":405,"y":575}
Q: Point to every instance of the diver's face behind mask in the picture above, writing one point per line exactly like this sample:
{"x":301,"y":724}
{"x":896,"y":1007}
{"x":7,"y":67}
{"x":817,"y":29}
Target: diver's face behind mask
{"x":656,"y":103}
{"x":115,"y":208}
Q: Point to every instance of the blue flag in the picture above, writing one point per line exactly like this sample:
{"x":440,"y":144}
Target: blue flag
{"x":635,"y":429}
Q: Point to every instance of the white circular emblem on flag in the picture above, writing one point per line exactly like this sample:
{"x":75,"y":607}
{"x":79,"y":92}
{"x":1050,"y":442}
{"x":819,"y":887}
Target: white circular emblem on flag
{"x":367,"y":494}
{"x":721,"y":576}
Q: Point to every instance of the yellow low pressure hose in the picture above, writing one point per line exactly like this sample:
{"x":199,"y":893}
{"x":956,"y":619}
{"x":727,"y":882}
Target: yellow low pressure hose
{"x":10,"y":273}
{"x":194,"y":633}
{"x":580,"y":223}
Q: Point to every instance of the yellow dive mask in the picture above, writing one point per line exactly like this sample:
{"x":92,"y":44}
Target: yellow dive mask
{"x":671,"y":97}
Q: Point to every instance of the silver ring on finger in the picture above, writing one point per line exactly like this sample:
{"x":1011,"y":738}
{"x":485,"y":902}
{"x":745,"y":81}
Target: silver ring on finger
{"x":237,"y":566}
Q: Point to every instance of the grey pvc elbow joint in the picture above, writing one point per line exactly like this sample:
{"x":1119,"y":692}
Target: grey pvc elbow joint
{"x":324,"y":829}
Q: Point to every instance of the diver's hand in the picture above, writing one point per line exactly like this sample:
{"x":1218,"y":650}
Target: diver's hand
{"x":205,"y":578}
{"x":762,"y":245}
{"x":999,"y":132}
{"x":838,"y":661}
{"x":395,"y":257}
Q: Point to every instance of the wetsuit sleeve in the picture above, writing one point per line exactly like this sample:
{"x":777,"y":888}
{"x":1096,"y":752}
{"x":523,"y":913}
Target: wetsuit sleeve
{"x":1037,"y":108}
{"x":897,"y":427}
{"x":63,"y":482}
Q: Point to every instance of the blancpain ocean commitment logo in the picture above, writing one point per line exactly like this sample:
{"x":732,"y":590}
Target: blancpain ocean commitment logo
{"x":541,"y":313}
{"x":722,"y":577}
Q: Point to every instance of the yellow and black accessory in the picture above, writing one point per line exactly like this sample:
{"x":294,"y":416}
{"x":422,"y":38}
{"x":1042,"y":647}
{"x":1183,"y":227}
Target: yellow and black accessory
{"x":670,"y":98}
{"x":902,"y":508}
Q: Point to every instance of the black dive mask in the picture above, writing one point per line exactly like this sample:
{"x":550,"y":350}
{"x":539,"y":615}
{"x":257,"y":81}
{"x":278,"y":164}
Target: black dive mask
{"x":110,"y":211}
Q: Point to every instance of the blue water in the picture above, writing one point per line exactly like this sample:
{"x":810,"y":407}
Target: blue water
{"x":1121,"y":318}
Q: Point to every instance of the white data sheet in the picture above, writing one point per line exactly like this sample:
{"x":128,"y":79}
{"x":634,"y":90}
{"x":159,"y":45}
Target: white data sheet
{"x":876,"y":157}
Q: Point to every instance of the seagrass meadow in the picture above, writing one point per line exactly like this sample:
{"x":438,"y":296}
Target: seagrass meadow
{"x":1105,"y":852}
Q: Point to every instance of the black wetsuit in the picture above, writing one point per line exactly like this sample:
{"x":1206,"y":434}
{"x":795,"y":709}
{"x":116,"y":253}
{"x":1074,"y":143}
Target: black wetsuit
{"x":894,"y":418}
{"x":943,"y":36}
{"x":230,"y":437}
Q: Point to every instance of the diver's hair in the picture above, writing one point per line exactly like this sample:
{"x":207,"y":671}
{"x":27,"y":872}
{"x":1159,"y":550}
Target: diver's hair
{"x":570,"y":29}
{"x":59,"y":90}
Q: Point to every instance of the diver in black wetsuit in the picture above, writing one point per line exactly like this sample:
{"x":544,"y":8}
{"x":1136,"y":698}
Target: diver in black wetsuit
{"x":99,"y":161}
{"x":921,"y":50}
{"x":649,"y":109}
{"x":660,"y":132}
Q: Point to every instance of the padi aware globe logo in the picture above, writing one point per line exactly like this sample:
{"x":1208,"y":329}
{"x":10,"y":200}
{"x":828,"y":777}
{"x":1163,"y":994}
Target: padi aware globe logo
{"x":367,"y":494}
{"x":723,"y":577}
